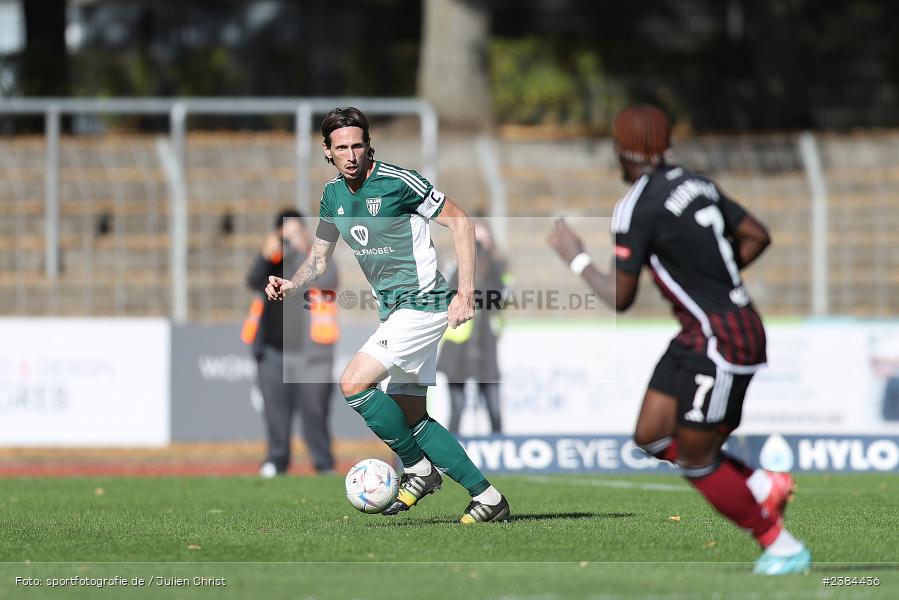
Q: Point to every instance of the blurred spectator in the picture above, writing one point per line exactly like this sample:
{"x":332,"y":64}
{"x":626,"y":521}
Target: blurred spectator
{"x":470,"y":350}
{"x":885,"y":364}
{"x":294,"y":365}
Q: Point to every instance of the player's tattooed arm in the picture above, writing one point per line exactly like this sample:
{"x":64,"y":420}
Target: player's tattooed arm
{"x":315,"y":264}
{"x":312,"y":268}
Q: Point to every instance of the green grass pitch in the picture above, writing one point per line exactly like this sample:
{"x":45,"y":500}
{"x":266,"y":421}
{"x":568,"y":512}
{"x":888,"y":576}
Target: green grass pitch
{"x":571,"y":536}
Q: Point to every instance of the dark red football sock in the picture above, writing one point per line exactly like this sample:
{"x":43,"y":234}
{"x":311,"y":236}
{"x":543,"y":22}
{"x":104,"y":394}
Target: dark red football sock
{"x":725,"y":489}
{"x":739,"y":465}
{"x":669,"y":453}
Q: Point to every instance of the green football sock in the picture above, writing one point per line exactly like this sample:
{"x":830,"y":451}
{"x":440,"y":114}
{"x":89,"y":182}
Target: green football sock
{"x":445,"y":451}
{"x":385,"y":418}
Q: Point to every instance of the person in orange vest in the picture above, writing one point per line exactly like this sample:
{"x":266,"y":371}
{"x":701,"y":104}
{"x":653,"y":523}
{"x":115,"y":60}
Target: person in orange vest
{"x":294,"y":345}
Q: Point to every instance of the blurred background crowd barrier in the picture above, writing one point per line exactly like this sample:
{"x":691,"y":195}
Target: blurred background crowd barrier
{"x":127,"y":224}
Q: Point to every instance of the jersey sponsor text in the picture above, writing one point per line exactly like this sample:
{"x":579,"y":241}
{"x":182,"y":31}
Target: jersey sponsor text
{"x":372,"y":251}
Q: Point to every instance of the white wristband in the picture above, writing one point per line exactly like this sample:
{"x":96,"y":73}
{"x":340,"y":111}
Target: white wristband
{"x":580,"y":262}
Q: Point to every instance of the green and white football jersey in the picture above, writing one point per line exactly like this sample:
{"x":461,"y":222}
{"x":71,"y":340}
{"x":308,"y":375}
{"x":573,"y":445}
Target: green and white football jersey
{"x":386,"y":225}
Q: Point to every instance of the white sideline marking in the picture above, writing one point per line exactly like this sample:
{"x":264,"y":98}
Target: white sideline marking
{"x":611,"y":483}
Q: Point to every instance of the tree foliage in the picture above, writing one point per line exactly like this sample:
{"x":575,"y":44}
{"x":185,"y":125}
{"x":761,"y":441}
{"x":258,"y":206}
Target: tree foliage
{"x":536,"y":81}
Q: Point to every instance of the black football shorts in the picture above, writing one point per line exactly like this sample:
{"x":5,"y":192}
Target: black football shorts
{"x":707,"y":397}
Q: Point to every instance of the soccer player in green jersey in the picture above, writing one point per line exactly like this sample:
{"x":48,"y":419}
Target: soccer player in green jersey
{"x":382,"y":212}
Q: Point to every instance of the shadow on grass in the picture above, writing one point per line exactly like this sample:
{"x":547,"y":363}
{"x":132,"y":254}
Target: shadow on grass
{"x":570,"y":515}
{"x":512,"y":519}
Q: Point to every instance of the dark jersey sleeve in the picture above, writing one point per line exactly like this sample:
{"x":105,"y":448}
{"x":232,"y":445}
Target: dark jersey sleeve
{"x":327,"y":231}
{"x":633,"y":239}
{"x":733,"y":213}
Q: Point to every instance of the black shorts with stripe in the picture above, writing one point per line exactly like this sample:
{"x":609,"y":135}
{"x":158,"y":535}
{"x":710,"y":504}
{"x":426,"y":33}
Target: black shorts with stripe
{"x":707,"y":397}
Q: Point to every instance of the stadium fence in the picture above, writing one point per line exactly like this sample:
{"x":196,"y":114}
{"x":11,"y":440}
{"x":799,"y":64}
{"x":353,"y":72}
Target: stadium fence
{"x":102,"y":221}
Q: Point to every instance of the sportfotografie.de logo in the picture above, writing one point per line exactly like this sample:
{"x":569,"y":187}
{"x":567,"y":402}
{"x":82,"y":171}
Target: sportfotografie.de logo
{"x":523,"y":300}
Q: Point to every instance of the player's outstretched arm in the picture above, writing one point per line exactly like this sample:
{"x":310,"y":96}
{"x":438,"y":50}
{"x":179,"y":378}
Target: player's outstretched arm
{"x":618,"y":291}
{"x":461,"y":308}
{"x":312,"y":268}
{"x":750,"y":240}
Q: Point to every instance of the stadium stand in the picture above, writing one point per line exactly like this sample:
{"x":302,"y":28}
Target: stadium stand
{"x":114,"y":244}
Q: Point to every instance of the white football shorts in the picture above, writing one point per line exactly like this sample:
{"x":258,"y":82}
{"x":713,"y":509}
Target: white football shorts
{"x":406,"y":344}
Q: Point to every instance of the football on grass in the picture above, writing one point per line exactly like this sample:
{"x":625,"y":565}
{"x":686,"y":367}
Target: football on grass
{"x":371,"y":485}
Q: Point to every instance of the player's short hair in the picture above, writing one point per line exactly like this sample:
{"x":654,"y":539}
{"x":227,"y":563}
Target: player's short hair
{"x":288,"y":213}
{"x":346,"y":117}
{"x":642,"y":133}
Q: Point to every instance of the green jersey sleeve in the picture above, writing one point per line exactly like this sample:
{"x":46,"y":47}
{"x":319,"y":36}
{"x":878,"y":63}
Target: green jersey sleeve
{"x":418,"y":195}
{"x":326,"y":207}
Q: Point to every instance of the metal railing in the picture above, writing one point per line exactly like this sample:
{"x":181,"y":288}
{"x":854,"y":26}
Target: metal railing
{"x":173,"y":156}
{"x":176,"y":219}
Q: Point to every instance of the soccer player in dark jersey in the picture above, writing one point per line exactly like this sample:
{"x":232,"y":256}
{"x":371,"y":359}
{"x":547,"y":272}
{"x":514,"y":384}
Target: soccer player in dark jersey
{"x":383,"y":213}
{"x":696,"y":241}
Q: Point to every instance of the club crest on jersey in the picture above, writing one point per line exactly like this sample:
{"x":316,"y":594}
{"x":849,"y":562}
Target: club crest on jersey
{"x":373,"y":205}
{"x":360,"y":233}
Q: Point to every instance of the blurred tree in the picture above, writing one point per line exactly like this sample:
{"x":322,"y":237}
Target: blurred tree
{"x":45,"y":60}
{"x":712,"y":64}
{"x":452,"y":71}
{"x":531,"y":85}
{"x":541,"y":80}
